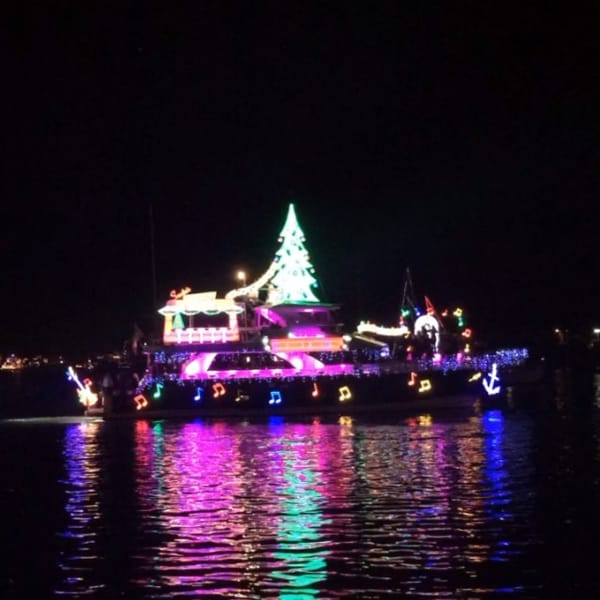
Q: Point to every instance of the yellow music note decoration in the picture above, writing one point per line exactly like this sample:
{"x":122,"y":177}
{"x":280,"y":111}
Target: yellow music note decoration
{"x":424,"y":386}
{"x":345,"y":393}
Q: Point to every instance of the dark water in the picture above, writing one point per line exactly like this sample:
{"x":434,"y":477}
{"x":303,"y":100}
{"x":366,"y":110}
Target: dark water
{"x":497,"y":503}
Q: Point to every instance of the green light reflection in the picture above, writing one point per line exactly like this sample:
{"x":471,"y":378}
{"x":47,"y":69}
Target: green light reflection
{"x":301,"y":546}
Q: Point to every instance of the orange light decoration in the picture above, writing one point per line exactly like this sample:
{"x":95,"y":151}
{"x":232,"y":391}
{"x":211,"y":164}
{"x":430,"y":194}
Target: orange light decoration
{"x":178,"y":295}
{"x":140,"y":401}
{"x":308,"y":344}
{"x":424,"y":386}
{"x":315,"y":390}
{"x":218,"y":389}
{"x":84,"y":389}
{"x":86,"y":396}
{"x":413,"y":378}
{"x":345,"y":393}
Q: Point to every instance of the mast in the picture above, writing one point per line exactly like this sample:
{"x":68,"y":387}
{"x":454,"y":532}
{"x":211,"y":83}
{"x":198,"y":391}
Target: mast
{"x":152,"y":257}
{"x":408,"y":293}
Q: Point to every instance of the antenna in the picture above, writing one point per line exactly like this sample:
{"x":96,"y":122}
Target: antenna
{"x":408,"y":293}
{"x":152,"y":256}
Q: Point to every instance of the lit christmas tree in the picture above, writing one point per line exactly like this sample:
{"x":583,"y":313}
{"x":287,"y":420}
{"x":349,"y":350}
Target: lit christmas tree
{"x":178,"y":322}
{"x":293,"y":280}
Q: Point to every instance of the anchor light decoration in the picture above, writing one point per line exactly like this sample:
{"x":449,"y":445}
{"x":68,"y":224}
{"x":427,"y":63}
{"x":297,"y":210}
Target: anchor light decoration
{"x":491,"y":382}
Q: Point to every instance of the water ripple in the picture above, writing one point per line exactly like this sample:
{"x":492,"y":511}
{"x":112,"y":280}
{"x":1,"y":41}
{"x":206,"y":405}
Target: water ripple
{"x":422,"y":508}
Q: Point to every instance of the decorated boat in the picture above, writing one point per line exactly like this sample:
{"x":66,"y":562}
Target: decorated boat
{"x":273,"y":346}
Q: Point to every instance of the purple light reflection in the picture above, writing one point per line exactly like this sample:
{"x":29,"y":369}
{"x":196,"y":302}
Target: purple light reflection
{"x":227,"y":500}
{"x":202,"y":509}
{"x":80,"y":550}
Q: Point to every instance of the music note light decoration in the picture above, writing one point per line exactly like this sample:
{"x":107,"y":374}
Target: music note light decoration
{"x":345,"y":393}
{"x":275,"y":397}
{"x":424,"y":386}
{"x":140,"y":401}
{"x":242,"y":396}
{"x":413,"y":379}
{"x":218,"y":389}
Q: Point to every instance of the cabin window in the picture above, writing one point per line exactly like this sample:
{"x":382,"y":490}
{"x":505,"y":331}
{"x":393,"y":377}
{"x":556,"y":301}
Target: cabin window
{"x":202,"y":320}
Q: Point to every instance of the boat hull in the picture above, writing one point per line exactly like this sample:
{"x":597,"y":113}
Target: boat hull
{"x":344,"y":395}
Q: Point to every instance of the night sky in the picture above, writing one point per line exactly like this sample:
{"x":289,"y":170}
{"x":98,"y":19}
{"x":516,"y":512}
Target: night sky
{"x":458,"y":139}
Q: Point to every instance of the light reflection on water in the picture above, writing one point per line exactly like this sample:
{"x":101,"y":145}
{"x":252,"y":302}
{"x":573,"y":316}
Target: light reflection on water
{"x":289,"y":510}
